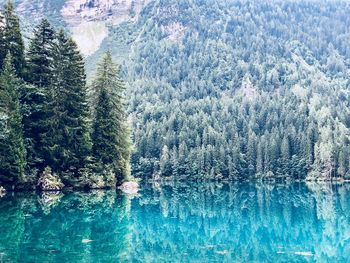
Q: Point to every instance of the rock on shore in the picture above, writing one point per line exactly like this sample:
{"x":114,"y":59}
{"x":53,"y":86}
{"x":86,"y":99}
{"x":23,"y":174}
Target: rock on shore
{"x":49,"y":181}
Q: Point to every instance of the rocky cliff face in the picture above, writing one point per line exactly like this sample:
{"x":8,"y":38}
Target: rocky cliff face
{"x":86,"y":19}
{"x":76,"y":11}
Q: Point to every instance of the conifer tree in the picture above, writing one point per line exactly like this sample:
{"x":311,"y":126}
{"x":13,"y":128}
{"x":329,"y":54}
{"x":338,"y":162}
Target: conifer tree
{"x":285,"y":152}
{"x":12,"y":150}
{"x":67,"y":142}
{"x":37,"y":96}
{"x":110,"y":136}
{"x":11,"y":39}
{"x":40,"y":55}
{"x":2,"y":40}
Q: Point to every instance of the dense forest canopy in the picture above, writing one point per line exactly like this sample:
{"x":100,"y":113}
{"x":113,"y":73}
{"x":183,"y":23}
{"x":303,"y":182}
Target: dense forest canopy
{"x":234,"y":89}
{"x":240,"y":89}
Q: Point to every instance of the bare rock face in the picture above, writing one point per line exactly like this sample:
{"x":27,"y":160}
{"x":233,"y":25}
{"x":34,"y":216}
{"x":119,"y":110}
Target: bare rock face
{"x":129,"y":187}
{"x":48,"y":181}
{"x":2,"y":191}
{"x":88,"y":19}
{"x":76,"y":11}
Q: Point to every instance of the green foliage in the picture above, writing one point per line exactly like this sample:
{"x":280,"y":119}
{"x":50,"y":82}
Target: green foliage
{"x":40,"y":55}
{"x":110,"y":136}
{"x":52,"y":105}
{"x":220,"y":90}
{"x":240,"y":90}
{"x":11,"y":39}
{"x":66,"y":142}
{"x":12,"y":150}
{"x":38,"y":96}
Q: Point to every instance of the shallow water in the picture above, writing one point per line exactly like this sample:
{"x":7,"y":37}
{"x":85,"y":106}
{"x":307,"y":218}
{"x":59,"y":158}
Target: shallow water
{"x":181,"y":222}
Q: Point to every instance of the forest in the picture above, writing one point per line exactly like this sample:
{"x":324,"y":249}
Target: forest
{"x":232,"y":90}
{"x":214,"y":90}
{"x":55,"y":130}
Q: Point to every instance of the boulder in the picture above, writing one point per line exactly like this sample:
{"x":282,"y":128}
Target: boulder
{"x":129,"y":187}
{"x":48,"y":181}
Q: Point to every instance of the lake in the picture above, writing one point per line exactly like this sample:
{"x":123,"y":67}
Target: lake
{"x":180,"y":222}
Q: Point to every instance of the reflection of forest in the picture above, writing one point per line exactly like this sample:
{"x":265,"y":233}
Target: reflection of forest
{"x":84,"y":227}
{"x":245,"y":222}
{"x":180,"y":222}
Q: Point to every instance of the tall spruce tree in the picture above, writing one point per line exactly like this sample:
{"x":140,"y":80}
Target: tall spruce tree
{"x":111,"y":136}
{"x":40,"y":54}
{"x":67,"y":142}
{"x":12,"y":150}
{"x":11,"y":39}
{"x":37,"y":96}
{"x":2,"y":39}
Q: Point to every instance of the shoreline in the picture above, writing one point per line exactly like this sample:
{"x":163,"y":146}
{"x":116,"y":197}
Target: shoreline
{"x":131,"y":187}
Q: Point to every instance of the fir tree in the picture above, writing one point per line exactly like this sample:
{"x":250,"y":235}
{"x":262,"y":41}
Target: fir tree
{"x":110,"y":136}
{"x":40,"y":55}
{"x":2,"y":40}
{"x":37,"y":96}
{"x":12,"y":150}
{"x":67,"y":141}
{"x":11,"y":39}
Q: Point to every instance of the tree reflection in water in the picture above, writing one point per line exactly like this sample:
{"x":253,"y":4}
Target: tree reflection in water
{"x":180,"y":222}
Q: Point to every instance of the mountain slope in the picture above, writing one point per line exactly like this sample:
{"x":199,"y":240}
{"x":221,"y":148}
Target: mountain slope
{"x":228,"y":89}
{"x":195,"y":116}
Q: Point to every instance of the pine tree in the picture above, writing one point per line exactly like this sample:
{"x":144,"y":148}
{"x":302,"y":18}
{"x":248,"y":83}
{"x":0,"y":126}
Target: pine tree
{"x":67,"y":142}
{"x":2,"y":40}
{"x":285,"y":153}
{"x":37,"y":96}
{"x":165,"y":164}
{"x":12,"y":150}
{"x":12,"y":40}
{"x":40,"y":55}
{"x":111,"y":135}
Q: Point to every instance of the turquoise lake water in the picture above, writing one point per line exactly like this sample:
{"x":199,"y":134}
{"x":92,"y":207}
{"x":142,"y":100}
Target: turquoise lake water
{"x":180,"y":222}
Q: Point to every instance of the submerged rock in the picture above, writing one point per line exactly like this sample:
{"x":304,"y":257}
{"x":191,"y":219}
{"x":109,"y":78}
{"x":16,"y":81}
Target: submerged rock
{"x":129,"y":187}
{"x":48,"y":181}
{"x":86,"y":241}
{"x":2,"y":191}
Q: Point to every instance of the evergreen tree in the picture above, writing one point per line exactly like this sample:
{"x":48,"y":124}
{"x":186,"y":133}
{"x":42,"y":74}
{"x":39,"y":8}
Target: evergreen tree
{"x":36,"y":97}
{"x":40,"y":55}
{"x":2,"y":40}
{"x":285,"y":153}
{"x":110,"y":136}
{"x":67,"y":142}
{"x":11,"y":39}
{"x":12,"y":150}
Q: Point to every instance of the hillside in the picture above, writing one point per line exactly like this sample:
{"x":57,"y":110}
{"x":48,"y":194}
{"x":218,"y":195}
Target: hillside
{"x":225,"y":89}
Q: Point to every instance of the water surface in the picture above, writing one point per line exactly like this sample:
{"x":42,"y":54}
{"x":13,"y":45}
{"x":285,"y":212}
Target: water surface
{"x":180,"y":222}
